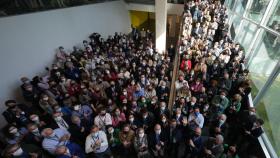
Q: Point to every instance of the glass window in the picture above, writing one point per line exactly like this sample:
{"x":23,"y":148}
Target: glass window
{"x":246,"y":34}
{"x":262,"y":62}
{"x":231,"y":4}
{"x":240,"y":7}
{"x":268,"y":109}
{"x":235,"y":23}
{"x":257,"y":9}
{"x":274,"y":20}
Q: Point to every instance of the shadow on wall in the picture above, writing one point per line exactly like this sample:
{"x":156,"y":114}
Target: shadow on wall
{"x":15,"y":7}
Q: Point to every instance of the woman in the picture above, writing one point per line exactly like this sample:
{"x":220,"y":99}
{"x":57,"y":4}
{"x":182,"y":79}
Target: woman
{"x":141,"y":144}
{"x":118,"y":118}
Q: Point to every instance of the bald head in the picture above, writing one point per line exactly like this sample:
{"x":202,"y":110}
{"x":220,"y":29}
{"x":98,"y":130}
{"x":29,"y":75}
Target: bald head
{"x":47,"y":132}
{"x":219,"y":139}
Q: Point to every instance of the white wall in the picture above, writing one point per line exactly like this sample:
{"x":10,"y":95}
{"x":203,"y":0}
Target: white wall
{"x":28,"y":42}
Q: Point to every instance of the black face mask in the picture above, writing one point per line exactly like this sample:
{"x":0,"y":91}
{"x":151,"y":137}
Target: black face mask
{"x":12,"y":106}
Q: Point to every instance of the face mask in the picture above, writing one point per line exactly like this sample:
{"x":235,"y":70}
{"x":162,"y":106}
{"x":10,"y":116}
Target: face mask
{"x":118,"y":113}
{"x":35,"y":119}
{"x":124,"y":93}
{"x":59,"y":118}
{"x":14,"y":131}
{"x":18,"y":152}
{"x":58,"y":110}
{"x":95,"y":134}
{"x":222,"y":96}
{"x":77,"y":107}
{"x":46,"y":99}
{"x":145,"y":116}
{"x":251,"y":113}
{"x":36,"y":130}
{"x":131,"y":119}
{"x":158,"y":131}
{"x":196,"y":113}
{"x":112,"y":131}
{"x":163,"y":120}
{"x":163,"y":87}
{"x":162,"y":108}
{"x":141,"y":135}
{"x":192,"y":103}
{"x":221,"y":122}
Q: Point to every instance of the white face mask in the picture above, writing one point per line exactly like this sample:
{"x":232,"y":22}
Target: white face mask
{"x":131,"y":119}
{"x":112,"y":131}
{"x":158,"y":131}
{"x":141,"y":135}
{"x":252,"y":113}
{"x":77,"y":107}
{"x":36,"y":131}
{"x":14,"y":131}
{"x":36,"y":119}
{"x":59,"y":118}
{"x":45,"y":98}
{"x":18,"y":152}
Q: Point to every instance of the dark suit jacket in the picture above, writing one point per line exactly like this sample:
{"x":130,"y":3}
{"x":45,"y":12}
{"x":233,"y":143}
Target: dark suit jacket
{"x":152,"y":139}
{"x":175,"y":135}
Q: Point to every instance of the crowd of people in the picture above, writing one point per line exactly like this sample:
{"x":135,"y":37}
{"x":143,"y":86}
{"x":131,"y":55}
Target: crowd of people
{"x":109,"y":98}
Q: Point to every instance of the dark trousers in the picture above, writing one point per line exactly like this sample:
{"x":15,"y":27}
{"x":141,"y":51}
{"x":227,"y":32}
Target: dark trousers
{"x":105,"y":154}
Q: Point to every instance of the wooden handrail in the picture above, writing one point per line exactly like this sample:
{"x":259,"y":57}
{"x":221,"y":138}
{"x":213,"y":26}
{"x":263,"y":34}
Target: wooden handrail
{"x":175,"y":71}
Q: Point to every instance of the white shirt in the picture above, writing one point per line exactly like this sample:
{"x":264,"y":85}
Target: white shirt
{"x":50,"y":144}
{"x":102,"y":121}
{"x":199,"y":119}
{"x":179,"y":84}
{"x":90,"y":141}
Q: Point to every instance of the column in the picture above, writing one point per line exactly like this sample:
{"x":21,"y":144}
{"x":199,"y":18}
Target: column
{"x":161,"y":17}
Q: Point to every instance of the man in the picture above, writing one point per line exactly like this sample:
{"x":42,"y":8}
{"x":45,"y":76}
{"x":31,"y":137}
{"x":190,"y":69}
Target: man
{"x":225,"y":83}
{"x":18,"y":151}
{"x":34,"y":136}
{"x":158,"y":141}
{"x":126,"y":137}
{"x":162,"y":109}
{"x":78,"y":129}
{"x":16,"y":113}
{"x":103,"y":119}
{"x":195,"y":144}
{"x":214,"y":147}
{"x":220,"y":103}
{"x":60,"y":121}
{"x":175,"y":138}
{"x":181,"y":82}
{"x":54,"y":138}
{"x":147,"y":119}
{"x":69,"y":151}
{"x":97,"y":144}
{"x":219,"y":126}
{"x":196,"y":119}
{"x":72,"y":72}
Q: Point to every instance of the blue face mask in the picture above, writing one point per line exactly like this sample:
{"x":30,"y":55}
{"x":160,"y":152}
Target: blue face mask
{"x":196,"y":113}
